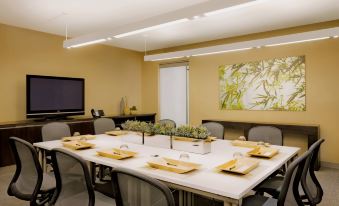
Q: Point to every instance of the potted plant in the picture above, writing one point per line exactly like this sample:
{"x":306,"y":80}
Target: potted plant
{"x":136,"y":130}
{"x":192,"y":139}
{"x":159,"y":135}
{"x":133,"y":110}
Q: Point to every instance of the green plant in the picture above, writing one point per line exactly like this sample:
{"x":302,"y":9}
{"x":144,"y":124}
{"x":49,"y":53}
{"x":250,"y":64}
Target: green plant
{"x":136,"y":126}
{"x":199,"y":132}
{"x":162,"y":129}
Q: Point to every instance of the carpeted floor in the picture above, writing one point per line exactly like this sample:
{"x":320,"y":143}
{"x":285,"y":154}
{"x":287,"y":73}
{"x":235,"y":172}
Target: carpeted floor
{"x":329,"y":179}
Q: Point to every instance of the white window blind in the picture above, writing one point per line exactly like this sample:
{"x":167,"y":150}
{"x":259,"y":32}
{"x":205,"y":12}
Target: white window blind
{"x":173,"y":93}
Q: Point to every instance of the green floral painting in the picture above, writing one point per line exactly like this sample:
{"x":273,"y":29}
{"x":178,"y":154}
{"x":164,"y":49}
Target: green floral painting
{"x":273,"y":84}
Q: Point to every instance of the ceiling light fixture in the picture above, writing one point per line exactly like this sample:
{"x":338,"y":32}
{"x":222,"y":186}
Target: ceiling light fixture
{"x":295,"y":42}
{"x":193,"y":12}
{"x":218,"y":52}
{"x":168,"y":58}
{"x":316,"y":35}
{"x":87,"y":43}
{"x":151,"y":28}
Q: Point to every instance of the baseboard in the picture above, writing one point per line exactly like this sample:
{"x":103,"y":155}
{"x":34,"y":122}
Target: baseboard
{"x":330,"y":165}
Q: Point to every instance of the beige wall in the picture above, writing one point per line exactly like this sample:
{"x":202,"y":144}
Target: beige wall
{"x":109,"y":72}
{"x":322,"y":98}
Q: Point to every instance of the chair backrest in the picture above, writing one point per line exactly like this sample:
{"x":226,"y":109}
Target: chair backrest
{"x":102,"y":125}
{"x":216,"y":129}
{"x":167,"y":121}
{"x":73,"y":180}
{"x":289,"y":194}
{"x":133,"y":188}
{"x":309,"y":181}
{"x":267,"y":134}
{"x":55,"y":131}
{"x":28,"y":176}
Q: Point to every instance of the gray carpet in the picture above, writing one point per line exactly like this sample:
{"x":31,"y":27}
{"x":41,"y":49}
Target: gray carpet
{"x":329,"y":179}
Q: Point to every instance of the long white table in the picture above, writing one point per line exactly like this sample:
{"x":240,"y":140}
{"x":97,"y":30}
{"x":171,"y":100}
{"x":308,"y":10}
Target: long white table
{"x":206,"y":181}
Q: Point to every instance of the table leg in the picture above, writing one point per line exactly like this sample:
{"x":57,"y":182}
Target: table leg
{"x":43,"y":161}
{"x":188,"y":199}
{"x":39,"y":155}
{"x":181,"y":198}
{"x":228,"y":203}
{"x":93,"y":172}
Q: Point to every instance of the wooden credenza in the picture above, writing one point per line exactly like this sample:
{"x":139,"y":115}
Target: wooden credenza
{"x":31,"y":131}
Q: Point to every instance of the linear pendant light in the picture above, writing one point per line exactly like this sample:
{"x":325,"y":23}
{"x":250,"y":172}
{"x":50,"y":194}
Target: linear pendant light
{"x":301,"y":41}
{"x":219,"y":52}
{"x":87,"y":43}
{"x":185,"y":14}
{"x":246,"y":45}
{"x":151,"y":28}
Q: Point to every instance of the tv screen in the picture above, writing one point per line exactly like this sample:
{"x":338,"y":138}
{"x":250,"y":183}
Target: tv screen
{"x":54,"y":96}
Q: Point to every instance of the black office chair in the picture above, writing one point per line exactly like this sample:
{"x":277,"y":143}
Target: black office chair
{"x":102,"y":125}
{"x":167,"y":122}
{"x":311,"y":189}
{"x":310,"y":184}
{"x":29,"y":182}
{"x":73,"y":182}
{"x":267,"y":134}
{"x":216,"y":129}
{"x":289,"y":195}
{"x":133,"y":188}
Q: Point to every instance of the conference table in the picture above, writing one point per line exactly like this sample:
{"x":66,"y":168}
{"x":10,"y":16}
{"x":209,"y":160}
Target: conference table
{"x":206,"y":181}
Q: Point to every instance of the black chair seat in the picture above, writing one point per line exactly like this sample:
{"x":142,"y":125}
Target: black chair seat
{"x":48,"y":182}
{"x":105,"y":188}
{"x":258,"y":200}
{"x":271,"y":186}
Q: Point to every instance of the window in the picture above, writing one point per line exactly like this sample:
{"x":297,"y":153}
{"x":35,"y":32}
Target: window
{"x":173,"y":92}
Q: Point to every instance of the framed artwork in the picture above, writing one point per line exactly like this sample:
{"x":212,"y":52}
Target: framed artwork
{"x":273,"y":84}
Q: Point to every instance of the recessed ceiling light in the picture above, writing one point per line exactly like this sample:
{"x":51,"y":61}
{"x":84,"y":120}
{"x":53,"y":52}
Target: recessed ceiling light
{"x":109,"y":38}
{"x":336,"y":36}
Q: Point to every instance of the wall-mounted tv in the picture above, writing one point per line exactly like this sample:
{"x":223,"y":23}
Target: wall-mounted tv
{"x":49,"y":97}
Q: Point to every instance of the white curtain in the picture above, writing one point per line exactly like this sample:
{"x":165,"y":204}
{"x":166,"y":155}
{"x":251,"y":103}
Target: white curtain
{"x":173,"y":93}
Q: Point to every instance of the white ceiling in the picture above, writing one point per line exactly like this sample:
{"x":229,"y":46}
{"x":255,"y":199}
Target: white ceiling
{"x":89,"y":16}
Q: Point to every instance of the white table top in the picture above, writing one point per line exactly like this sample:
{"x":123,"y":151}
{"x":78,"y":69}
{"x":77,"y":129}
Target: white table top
{"x":206,"y":179}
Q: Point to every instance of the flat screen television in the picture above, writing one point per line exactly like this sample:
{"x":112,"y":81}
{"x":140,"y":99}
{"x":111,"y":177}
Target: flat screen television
{"x":53,"y":97}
